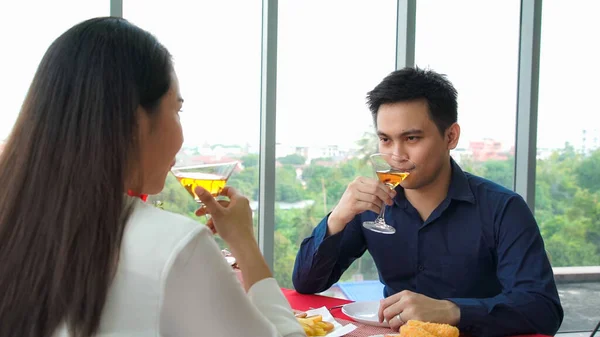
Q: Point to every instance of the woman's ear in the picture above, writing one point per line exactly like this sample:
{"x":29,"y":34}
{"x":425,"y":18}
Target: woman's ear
{"x":141,"y":136}
{"x":144,"y":126}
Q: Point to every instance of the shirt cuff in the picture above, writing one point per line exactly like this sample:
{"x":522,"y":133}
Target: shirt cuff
{"x":324,"y":242}
{"x":472,"y":312}
{"x":270,"y":301}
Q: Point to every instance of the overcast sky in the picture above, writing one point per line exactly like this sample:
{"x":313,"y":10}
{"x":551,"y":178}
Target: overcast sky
{"x":331,"y":52}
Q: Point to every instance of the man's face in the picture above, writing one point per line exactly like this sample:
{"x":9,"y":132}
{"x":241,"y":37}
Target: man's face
{"x":405,"y":129}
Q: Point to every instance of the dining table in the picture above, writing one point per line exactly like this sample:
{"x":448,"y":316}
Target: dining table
{"x":304,"y":302}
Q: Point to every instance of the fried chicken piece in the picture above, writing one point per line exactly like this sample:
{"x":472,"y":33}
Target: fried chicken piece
{"x":437,"y":330}
{"x":414,"y":331}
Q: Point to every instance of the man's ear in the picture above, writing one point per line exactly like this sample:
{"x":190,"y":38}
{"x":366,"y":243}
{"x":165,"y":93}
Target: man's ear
{"x":452,"y":135}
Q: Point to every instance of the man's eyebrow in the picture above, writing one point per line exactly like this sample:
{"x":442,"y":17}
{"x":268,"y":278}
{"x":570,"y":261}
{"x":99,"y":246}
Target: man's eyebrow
{"x":410,"y":132}
{"x":404,"y":133}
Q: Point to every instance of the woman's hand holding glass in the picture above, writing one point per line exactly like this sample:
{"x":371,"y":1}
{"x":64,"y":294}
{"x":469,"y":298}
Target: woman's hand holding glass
{"x":232,"y":218}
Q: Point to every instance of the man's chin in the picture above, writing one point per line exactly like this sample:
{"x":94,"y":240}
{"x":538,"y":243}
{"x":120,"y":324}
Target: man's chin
{"x":411,"y":186}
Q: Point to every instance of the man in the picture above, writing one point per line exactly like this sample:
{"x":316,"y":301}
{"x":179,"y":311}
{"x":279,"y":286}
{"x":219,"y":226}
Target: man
{"x":466,"y":251}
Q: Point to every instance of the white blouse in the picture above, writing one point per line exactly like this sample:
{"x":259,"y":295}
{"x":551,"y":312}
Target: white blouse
{"x":172,"y":280}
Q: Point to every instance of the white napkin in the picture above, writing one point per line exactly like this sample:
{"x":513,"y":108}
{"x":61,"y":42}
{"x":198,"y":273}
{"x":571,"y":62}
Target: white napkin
{"x":338,"y":329}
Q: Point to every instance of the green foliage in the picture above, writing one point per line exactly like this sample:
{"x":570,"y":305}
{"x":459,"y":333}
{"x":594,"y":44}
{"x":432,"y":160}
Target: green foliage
{"x":250,"y":160}
{"x":588,"y":173}
{"x":567,"y":207}
{"x":246,"y":182}
{"x":292,"y":159}
{"x":288,"y":188}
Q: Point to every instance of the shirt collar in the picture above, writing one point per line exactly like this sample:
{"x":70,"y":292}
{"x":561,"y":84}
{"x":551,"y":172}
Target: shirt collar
{"x":459,"y":188}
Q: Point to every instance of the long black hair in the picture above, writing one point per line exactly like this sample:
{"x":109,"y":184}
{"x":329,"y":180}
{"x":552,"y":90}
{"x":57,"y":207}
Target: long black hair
{"x":63,"y":172}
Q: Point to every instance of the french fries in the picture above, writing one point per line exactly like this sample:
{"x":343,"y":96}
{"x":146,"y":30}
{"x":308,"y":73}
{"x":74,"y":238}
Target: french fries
{"x":314,"y":325}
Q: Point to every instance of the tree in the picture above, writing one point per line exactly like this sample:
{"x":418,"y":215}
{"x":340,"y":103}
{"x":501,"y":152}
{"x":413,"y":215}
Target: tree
{"x":250,"y":160}
{"x":246,"y":182}
{"x":588,"y":172}
{"x":367,"y":145}
{"x":292,"y":159}
{"x":500,"y":171}
{"x":288,"y":188}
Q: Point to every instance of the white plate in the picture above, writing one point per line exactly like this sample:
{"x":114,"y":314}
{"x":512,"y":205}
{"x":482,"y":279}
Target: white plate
{"x":364,"y":312}
{"x":338,"y":329}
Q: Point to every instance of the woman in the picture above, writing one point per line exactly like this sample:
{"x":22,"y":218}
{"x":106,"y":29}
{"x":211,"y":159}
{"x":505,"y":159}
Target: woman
{"x":78,"y":256}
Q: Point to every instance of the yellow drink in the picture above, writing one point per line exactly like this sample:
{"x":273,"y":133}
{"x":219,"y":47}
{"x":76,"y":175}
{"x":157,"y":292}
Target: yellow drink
{"x":211,"y":182}
{"x":391,"y":177}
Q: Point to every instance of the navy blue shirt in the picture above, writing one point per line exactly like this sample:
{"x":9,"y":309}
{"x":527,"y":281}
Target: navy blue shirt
{"x":480,"y":248}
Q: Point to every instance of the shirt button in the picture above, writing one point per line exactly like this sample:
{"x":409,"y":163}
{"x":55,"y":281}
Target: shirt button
{"x":420,"y":267}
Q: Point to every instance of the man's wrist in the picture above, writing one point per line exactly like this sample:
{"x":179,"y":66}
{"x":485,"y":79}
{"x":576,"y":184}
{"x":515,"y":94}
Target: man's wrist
{"x":453,"y":313}
{"x":334,"y":224}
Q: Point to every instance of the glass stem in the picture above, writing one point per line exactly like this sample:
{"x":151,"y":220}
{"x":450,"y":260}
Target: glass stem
{"x":380,"y":218}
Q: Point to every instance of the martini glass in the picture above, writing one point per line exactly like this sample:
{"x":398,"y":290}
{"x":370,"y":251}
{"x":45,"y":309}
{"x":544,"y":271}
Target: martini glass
{"x":212,"y":177}
{"x":391,"y":170}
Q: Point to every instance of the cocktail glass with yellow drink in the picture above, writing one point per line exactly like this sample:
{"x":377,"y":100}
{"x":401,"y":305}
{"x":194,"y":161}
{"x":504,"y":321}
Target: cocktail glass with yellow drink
{"x":390,"y":170}
{"x":211,"y":177}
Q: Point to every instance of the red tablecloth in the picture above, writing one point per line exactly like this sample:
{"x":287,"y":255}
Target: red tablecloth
{"x":305,"y":302}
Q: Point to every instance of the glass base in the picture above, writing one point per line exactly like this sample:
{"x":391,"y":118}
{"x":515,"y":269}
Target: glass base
{"x":379,"y":227}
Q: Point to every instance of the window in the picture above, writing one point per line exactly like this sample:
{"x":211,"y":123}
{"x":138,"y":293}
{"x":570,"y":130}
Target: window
{"x":26,"y":30}
{"x":479,"y":54}
{"x":216,"y":50}
{"x":568,"y":154}
{"x":325,"y":70}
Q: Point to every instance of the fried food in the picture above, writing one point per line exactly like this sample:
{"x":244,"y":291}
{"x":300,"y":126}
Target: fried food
{"x":436,"y":329}
{"x":414,"y":331}
{"x":314,"y":325}
{"x":414,"y":328}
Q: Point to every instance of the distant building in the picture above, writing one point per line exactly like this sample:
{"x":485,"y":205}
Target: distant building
{"x":283,"y":150}
{"x":331,"y":152}
{"x":487,"y":149}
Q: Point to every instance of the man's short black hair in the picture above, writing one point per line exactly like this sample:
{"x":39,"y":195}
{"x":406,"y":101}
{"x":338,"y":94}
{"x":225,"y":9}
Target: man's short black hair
{"x":409,"y":84}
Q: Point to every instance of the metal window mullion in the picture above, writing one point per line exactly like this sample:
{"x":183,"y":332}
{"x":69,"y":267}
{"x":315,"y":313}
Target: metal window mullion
{"x":116,"y":8}
{"x":405,"y":33}
{"x":527,"y":99}
{"x":266,"y":196}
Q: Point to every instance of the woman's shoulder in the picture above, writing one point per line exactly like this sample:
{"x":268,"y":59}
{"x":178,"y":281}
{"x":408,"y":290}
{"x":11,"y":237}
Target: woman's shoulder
{"x":149,"y":216}
{"x":153,"y":239}
{"x":153,"y":236}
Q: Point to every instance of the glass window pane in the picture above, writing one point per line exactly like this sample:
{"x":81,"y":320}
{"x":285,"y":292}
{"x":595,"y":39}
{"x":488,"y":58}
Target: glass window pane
{"x":568,"y":155}
{"x":216,"y":48}
{"x":27,"y":29}
{"x":476,"y":44}
{"x":325,"y":70}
